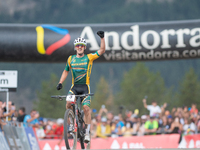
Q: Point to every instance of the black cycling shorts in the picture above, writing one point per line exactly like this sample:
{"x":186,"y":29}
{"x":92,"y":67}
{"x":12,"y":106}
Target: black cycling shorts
{"x":78,"y":89}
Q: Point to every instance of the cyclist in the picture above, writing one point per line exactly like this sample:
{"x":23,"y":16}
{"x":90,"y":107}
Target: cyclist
{"x":80,"y":66}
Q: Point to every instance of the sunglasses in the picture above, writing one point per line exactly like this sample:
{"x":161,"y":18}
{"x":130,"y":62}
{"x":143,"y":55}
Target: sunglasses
{"x":81,"y":45}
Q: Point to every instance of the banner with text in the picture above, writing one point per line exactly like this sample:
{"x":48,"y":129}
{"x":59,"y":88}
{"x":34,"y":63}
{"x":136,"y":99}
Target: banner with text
{"x":152,"y":141}
{"x":190,"y":141}
{"x":31,"y":138}
{"x":124,"y":41}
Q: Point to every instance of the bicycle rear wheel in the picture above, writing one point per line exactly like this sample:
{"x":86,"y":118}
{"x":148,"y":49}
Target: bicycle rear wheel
{"x":69,"y":135}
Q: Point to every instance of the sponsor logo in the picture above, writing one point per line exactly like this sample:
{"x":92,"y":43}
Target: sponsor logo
{"x":50,"y":49}
{"x":139,"y":44}
{"x":79,"y":64}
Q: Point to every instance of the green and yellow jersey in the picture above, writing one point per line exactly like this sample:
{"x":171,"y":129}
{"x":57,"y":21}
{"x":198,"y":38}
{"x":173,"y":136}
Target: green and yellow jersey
{"x":81,"y":67}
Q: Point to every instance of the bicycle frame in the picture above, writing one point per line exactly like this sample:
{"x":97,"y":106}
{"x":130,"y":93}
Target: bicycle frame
{"x":79,"y":123}
{"x":76,"y":109}
{"x":78,"y":119}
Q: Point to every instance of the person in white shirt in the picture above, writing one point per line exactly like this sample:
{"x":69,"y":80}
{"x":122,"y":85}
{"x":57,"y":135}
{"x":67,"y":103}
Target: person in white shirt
{"x":154,"y":109}
{"x":189,"y":127}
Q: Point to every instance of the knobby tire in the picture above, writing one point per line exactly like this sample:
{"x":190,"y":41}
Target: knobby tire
{"x":68,"y":142}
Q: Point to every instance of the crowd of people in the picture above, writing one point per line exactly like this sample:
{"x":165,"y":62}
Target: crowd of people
{"x":181,"y":120}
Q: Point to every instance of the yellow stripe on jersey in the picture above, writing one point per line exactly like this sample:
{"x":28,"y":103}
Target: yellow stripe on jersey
{"x":93,"y":56}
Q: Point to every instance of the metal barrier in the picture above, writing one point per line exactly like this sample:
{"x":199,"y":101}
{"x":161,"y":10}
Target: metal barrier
{"x":3,"y":142}
{"x":19,"y":137}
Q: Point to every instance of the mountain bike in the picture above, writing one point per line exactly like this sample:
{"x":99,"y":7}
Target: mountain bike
{"x":74,"y":125}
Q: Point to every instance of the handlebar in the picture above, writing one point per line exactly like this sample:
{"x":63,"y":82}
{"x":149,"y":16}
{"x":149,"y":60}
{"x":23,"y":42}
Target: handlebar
{"x":60,"y":97}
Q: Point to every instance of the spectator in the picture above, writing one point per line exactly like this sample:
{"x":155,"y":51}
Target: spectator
{"x":11,"y":112}
{"x":176,"y":126}
{"x":185,"y":112}
{"x":103,"y":111}
{"x":163,"y":127}
{"x":1,"y":109}
{"x":129,"y":114}
{"x":49,"y":132}
{"x":163,"y":111}
{"x":154,"y":109}
{"x":110,"y":116}
{"x":169,"y":121}
{"x":194,"y":110}
{"x":32,"y":118}
{"x":59,"y":129}
{"x":118,"y":126}
{"x":141,"y":130}
{"x":42,"y":122}
{"x":22,"y":114}
{"x":128,"y":129}
{"x":135,"y":114}
{"x":167,"y":113}
{"x":198,"y":123}
{"x":186,"y":127}
{"x":151,"y":126}
{"x":40,"y":131}
{"x":136,"y":125}
{"x":103,"y":129}
{"x":193,"y":127}
{"x":113,"y":125}
{"x":93,"y":127}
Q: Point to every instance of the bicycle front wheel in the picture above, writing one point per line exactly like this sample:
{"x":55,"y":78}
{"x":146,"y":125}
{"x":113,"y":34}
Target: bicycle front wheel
{"x":69,"y":134}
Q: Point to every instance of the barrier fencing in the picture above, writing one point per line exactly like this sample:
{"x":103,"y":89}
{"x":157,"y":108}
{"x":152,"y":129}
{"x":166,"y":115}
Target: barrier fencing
{"x":22,"y":137}
{"x":18,"y":137}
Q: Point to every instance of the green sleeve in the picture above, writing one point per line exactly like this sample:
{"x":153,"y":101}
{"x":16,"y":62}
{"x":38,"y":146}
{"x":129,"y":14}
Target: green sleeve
{"x":67,"y":67}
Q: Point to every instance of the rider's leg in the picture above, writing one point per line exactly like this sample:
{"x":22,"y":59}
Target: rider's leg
{"x":87,"y":113}
{"x":87,"y":118}
{"x":68,"y":105}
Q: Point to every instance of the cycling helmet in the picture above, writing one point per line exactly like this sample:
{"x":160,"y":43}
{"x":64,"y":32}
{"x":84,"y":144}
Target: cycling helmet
{"x":80,"y":40}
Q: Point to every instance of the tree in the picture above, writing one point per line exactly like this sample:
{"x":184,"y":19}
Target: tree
{"x":102,"y":96}
{"x":138,"y":83}
{"x":47,"y":106}
{"x":189,"y":89}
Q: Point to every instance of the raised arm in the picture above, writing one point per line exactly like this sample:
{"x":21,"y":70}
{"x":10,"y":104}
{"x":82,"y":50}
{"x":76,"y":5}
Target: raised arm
{"x":102,"y":46}
{"x":144,"y":103}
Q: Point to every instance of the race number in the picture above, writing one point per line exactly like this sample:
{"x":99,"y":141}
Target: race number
{"x":70,"y":98}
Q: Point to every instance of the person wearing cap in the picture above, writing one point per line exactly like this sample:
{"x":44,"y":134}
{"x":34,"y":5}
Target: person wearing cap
{"x":151,"y":126}
{"x":135,"y":114}
{"x":103,"y":129}
{"x":119,"y":125}
{"x":169,"y":121}
{"x":59,"y":129}
{"x":141,"y":130}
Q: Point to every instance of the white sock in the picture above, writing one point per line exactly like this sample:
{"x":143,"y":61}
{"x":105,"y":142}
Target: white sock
{"x":88,"y":129}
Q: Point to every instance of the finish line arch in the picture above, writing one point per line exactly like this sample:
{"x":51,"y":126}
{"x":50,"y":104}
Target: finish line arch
{"x":124,"y":41}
